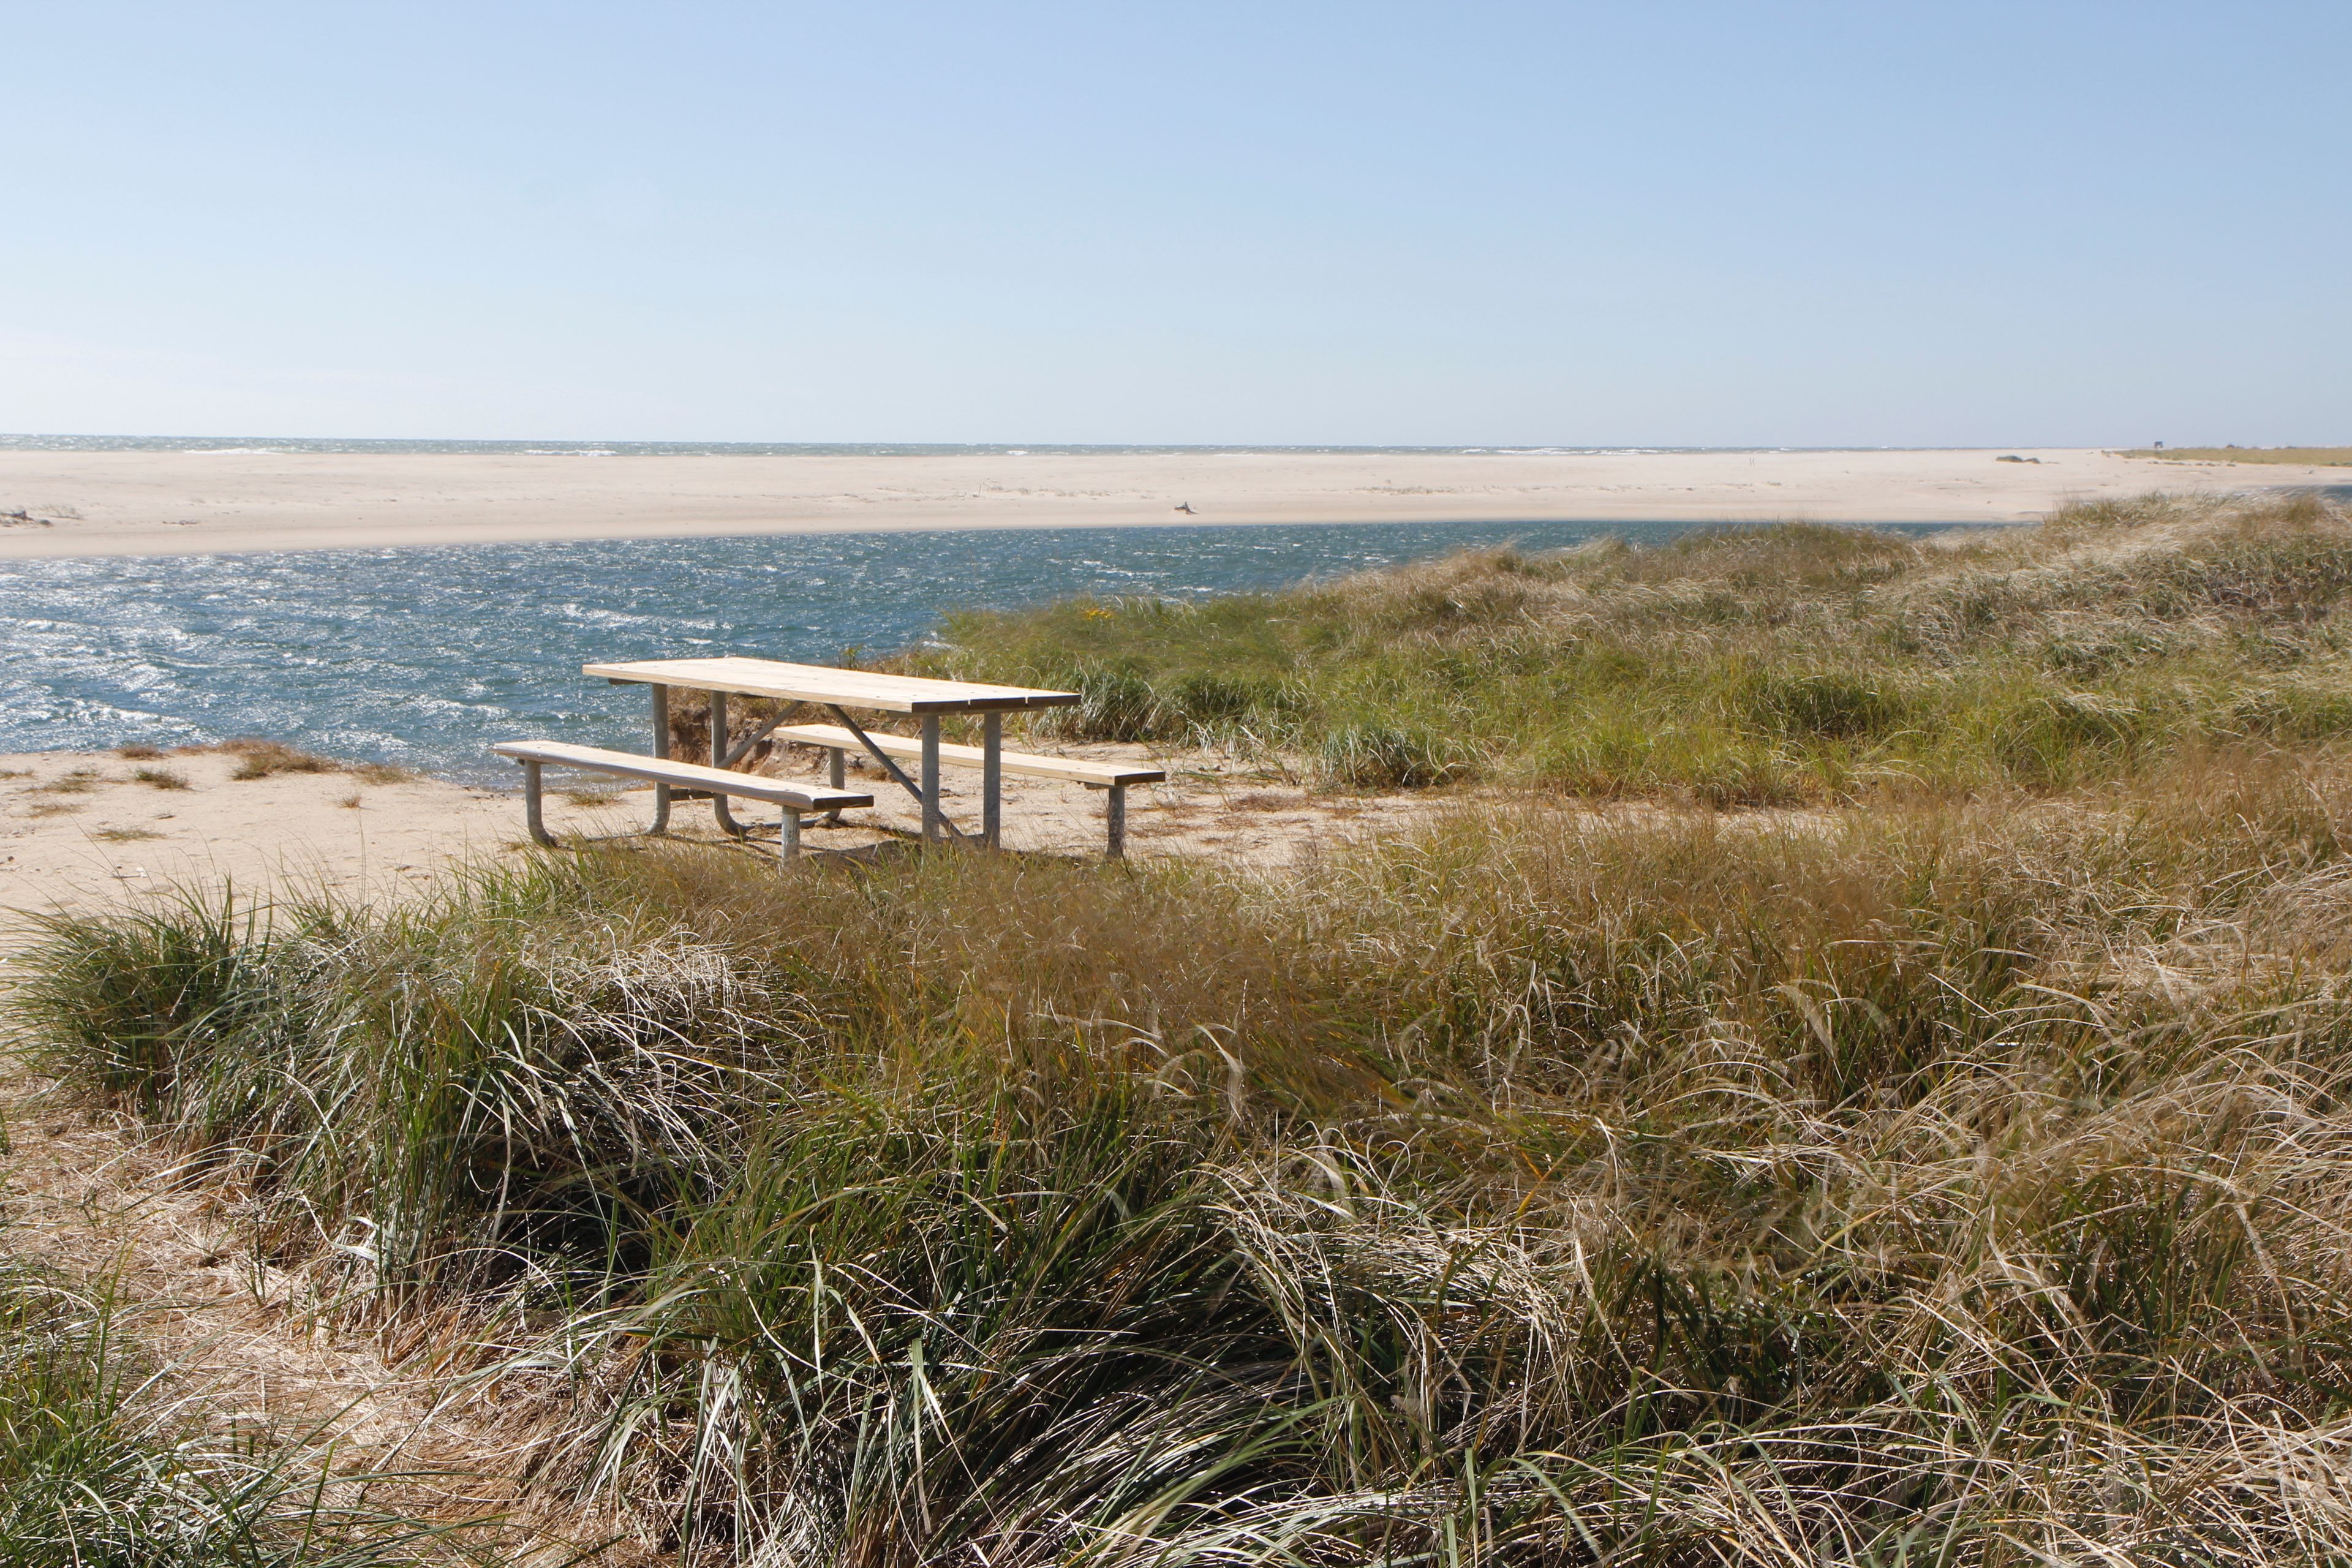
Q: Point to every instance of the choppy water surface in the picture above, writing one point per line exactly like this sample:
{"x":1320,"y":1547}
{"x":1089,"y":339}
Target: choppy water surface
{"x":424,"y":657}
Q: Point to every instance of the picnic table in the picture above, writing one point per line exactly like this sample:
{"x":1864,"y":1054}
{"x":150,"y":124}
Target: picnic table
{"x":839,"y":690}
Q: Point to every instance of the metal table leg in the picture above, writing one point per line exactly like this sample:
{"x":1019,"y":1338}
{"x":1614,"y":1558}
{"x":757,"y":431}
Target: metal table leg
{"x":991,"y":780}
{"x":661,"y":750}
{"x":718,"y":759}
{"x":882,"y":760}
{"x":932,"y":816}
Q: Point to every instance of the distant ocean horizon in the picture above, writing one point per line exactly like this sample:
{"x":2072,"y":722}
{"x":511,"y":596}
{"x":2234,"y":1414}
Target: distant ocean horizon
{"x":375,"y":446}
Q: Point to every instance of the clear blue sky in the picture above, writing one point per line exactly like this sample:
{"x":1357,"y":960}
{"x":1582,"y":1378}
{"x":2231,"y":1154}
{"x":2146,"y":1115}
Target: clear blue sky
{"x":1882,"y":224}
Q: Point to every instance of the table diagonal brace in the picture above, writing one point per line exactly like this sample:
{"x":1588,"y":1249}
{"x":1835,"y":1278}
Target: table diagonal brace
{"x":754,"y":738}
{"x":888,"y":765}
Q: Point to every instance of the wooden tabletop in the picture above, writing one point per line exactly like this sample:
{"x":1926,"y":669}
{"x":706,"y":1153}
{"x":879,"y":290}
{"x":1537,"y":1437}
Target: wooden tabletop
{"x":816,"y":683}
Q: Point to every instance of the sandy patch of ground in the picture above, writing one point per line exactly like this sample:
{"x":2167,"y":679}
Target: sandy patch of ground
{"x":75,"y":827}
{"x":1211,"y":808}
{"x":81,"y":827}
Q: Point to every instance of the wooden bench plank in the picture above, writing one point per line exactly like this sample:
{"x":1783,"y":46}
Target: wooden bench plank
{"x":1076,"y":770}
{"x":693,"y":776}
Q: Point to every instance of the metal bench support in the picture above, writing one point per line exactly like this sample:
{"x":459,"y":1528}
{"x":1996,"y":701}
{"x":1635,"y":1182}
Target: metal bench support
{"x":531,"y":816}
{"x":534,"y":784}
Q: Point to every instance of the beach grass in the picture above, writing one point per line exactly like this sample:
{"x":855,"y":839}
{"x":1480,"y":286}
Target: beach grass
{"x":261,"y":759}
{"x":1962,"y":1179}
{"x":1938,"y":1183}
{"x":2322,"y":456}
{"x":1758,"y":666}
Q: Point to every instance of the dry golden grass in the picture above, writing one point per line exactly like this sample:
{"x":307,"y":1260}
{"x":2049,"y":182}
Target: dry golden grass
{"x":1571,"y":1182}
{"x":2327,"y":457}
{"x":1964,"y":1180}
{"x":260,"y":759}
{"x":79,"y":781}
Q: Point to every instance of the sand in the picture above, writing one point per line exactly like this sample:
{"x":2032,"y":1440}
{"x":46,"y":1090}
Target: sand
{"x":78,"y":828}
{"x":149,"y":504}
{"x":81,"y":830}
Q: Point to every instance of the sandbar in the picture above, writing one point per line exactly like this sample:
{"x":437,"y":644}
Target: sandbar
{"x":178,"y":502}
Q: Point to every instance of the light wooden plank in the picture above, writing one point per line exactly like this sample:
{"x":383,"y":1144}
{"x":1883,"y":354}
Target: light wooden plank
{"x":692,"y":775}
{"x":817,"y":683}
{"x":1074,"y":770}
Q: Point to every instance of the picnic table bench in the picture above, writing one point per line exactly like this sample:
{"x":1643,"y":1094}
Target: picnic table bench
{"x":837,"y":690}
{"x":719,"y":782}
{"x":1112,"y":777}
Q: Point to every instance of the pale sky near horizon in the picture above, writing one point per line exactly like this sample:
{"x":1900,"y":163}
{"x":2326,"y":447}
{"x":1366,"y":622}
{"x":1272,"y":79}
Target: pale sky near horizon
{"x":1877,"y":225}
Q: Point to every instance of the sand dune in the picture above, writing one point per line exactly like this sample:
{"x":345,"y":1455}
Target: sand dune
{"x":148,"y":503}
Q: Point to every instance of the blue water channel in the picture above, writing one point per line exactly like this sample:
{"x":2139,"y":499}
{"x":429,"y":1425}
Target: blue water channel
{"x":425,"y":656}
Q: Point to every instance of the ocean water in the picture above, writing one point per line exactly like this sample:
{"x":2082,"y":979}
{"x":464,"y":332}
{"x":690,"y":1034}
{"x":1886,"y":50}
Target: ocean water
{"x":425,"y":655}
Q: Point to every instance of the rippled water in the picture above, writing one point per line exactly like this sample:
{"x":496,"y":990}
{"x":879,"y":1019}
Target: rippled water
{"x":424,"y":657}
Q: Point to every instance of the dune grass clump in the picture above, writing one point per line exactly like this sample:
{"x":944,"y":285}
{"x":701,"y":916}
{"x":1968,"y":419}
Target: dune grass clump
{"x":1960,"y":1183}
{"x":1382,"y":756}
{"x":76,"y":781}
{"x":480,"y":1084}
{"x":1760,"y":666}
{"x":261,"y":759}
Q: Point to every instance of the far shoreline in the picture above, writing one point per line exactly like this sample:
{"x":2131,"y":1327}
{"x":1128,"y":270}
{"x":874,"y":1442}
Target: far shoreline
{"x":86,"y":503}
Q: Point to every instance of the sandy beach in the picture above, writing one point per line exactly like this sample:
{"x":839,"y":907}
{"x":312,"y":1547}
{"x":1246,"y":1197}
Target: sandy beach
{"x":170,"y":503}
{"x":84,"y":828}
